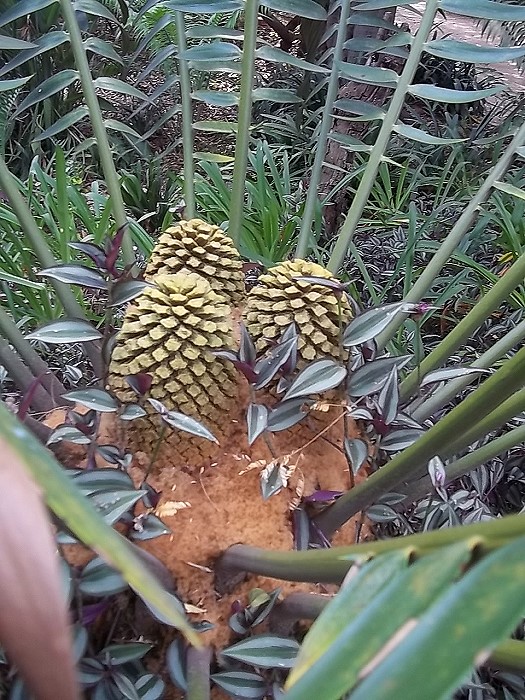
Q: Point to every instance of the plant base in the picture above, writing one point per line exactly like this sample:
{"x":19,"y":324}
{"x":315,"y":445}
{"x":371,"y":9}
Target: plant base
{"x":216,"y":502}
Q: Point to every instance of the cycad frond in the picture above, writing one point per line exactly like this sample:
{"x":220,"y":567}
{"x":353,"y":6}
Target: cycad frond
{"x":7,"y":101}
{"x":167,"y":36}
{"x":506,"y":33}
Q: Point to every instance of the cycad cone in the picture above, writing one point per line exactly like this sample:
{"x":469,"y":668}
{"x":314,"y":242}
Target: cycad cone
{"x":195,"y":246}
{"x":170,"y":333}
{"x":281,"y":298}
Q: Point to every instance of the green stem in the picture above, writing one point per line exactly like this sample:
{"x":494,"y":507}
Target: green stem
{"x":41,"y":401}
{"x":396,"y":104}
{"x":468,"y":325}
{"x":506,"y":411}
{"x":99,"y":130}
{"x":10,"y":331}
{"x":454,"y":238}
{"x":472,"y":460}
{"x":155,"y":454}
{"x":412,"y":462}
{"x":303,"y":244}
{"x":198,"y":673}
{"x":509,"y":655}
{"x":331,"y":565}
{"x":244,"y":120}
{"x":187,"y":119}
{"x":295,"y":607}
{"x":483,"y":454}
{"x":361,"y":266}
{"x":485,"y":361}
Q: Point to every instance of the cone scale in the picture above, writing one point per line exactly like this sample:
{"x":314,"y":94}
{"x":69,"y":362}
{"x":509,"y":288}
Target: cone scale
{"x":170,"y":333}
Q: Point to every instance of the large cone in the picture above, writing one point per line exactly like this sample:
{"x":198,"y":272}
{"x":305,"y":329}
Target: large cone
{"x":280,"y":298}
{"x":170,"y":332}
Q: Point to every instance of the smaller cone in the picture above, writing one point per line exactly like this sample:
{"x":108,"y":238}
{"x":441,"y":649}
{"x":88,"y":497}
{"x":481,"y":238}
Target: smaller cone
{"x":196,"y":246}
{"x":280,"y":299}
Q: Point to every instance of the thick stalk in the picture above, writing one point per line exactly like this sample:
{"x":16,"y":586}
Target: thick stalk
{"x":507,"y":410}
{"x":374,"y":161}
{"x":187,"y":119}
{"x":331,"y":565}
{"x":509,"y":656}
{"x":244,"y":120}
{"x":454,"y":238}
{"x":486,"y":361}
{"x":303,"y":244}
{"x":10,"y":331}
{"x":468,"y":325}
{"x":472,"y":460}
{"x":296,"y":607}
{"x":39,"y":430}
{"x":41,"y":401}
{"x":99,"y":130}
{"x":198,"y":673}
{"x":412,"y":462}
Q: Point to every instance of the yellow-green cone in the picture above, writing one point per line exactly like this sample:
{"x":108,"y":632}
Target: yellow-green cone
{"x":280,"y":298}
{"x":196,"y":246}
{"x":169,"y":332}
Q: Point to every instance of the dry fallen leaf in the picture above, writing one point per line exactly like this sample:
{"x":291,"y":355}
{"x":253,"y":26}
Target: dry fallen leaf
{"x":299,"y":492}
{"x":171,"y":508}
{"x":189,"y":608}
{"x":257,"y":464}
{"x":321,"y":406}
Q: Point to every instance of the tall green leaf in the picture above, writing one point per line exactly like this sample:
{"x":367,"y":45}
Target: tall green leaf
{"x":455,"y":634}
{"x":50,"y":87}
{"x":369,"y":630}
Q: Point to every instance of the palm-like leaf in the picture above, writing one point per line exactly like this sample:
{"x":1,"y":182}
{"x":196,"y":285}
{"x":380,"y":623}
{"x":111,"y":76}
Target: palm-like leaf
{"x":506,"y":33}
{"x":47,"y":55}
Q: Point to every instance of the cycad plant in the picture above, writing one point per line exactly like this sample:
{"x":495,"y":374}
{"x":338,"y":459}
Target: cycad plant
{"x":443,"y":602}
{"x":507,"y":31}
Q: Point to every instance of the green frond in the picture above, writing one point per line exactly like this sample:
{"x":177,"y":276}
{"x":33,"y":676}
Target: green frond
{"x":7,"y":102}
{"x":167,"y":36}
{"x":506,"y":33}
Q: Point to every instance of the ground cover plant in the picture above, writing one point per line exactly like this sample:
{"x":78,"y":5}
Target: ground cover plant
{"x":291,"y":427}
